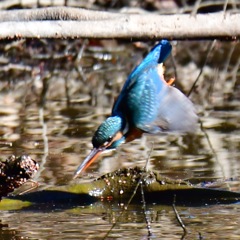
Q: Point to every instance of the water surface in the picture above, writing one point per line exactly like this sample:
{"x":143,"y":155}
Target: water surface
{"x":53,"y":96}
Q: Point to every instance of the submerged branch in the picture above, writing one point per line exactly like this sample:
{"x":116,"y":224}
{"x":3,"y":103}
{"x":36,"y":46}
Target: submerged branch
{"x":185,"y":232}
{"x":64,"y":22}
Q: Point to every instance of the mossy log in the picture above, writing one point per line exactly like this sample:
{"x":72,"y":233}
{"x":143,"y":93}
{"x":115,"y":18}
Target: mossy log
{"x":119,"y":187}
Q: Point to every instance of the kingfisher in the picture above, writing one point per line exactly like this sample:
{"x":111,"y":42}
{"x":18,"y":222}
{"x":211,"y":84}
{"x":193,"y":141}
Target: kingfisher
{"x":146,"y":104}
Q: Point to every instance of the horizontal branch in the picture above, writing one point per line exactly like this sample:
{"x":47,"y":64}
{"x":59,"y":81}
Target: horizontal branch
{"x":56,"y":13}
{"x":81,"y":23}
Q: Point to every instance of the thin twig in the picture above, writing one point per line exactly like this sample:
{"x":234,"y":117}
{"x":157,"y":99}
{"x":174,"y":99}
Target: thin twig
{"x":148,"y":158}
{"x":45,"y":143}
{"x":225,"y":8}
{"x":209,"y":50}
{"x":179,"y":219}
{"x":195,"y":8}
{"x":33,"y":186}
{"x":132,"y":196}
{"x":221,"y":78}
{"x":44,"y":127}
{"x":125,"y":208}
{"x":78,"y":66}
{"x":211,"y":147}
{"x":145,"y":212}
{"x":228,"y":59}
{"x":234,"y":73}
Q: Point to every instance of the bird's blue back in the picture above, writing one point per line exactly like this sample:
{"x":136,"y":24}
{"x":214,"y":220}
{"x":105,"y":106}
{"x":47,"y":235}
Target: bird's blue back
{"x":148,"y":103}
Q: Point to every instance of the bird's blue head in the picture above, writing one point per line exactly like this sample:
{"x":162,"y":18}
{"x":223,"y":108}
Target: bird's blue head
{"x":108,"y":136}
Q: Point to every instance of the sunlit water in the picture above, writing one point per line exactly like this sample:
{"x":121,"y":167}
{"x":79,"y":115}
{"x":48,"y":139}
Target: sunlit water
{"x":55,"y":129}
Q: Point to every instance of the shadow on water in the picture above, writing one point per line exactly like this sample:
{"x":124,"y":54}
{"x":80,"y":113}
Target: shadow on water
{"x":77,"y":92}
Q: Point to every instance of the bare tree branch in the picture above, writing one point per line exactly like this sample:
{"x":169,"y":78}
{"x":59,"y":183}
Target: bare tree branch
{"x":64,"y":22}
{"x":56,"y":13}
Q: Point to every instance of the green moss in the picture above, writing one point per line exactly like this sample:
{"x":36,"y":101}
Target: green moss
{"x":12,"y":204}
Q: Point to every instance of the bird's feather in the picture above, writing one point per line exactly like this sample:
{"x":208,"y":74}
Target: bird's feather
{"x":157,"y":55}
{"x":147,"y":102}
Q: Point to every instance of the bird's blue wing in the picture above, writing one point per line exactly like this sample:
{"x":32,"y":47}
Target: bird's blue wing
{"x":157,"y":55}
{"x":142,"y":100}
{"x":149,"y":103}
{"x":154,"y":106}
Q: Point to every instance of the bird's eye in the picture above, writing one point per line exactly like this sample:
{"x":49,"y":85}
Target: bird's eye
{"x":110,"y":139}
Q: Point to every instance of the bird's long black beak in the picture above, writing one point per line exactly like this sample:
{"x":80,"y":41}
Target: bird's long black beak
{"x":93,"y":155}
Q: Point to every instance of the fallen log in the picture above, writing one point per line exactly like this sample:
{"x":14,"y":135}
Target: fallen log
{"x":119,"y":187}
{"x":65,"y":22}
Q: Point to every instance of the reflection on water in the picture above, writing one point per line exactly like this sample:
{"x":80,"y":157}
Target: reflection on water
{"x":50,"y":109}
{"x":93,"y":222}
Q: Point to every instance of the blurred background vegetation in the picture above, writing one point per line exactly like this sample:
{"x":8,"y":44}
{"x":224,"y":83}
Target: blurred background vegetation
{"x":55,"y":92}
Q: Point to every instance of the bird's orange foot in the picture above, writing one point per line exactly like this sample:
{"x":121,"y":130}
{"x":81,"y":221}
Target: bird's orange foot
{"x":171,"y":81}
